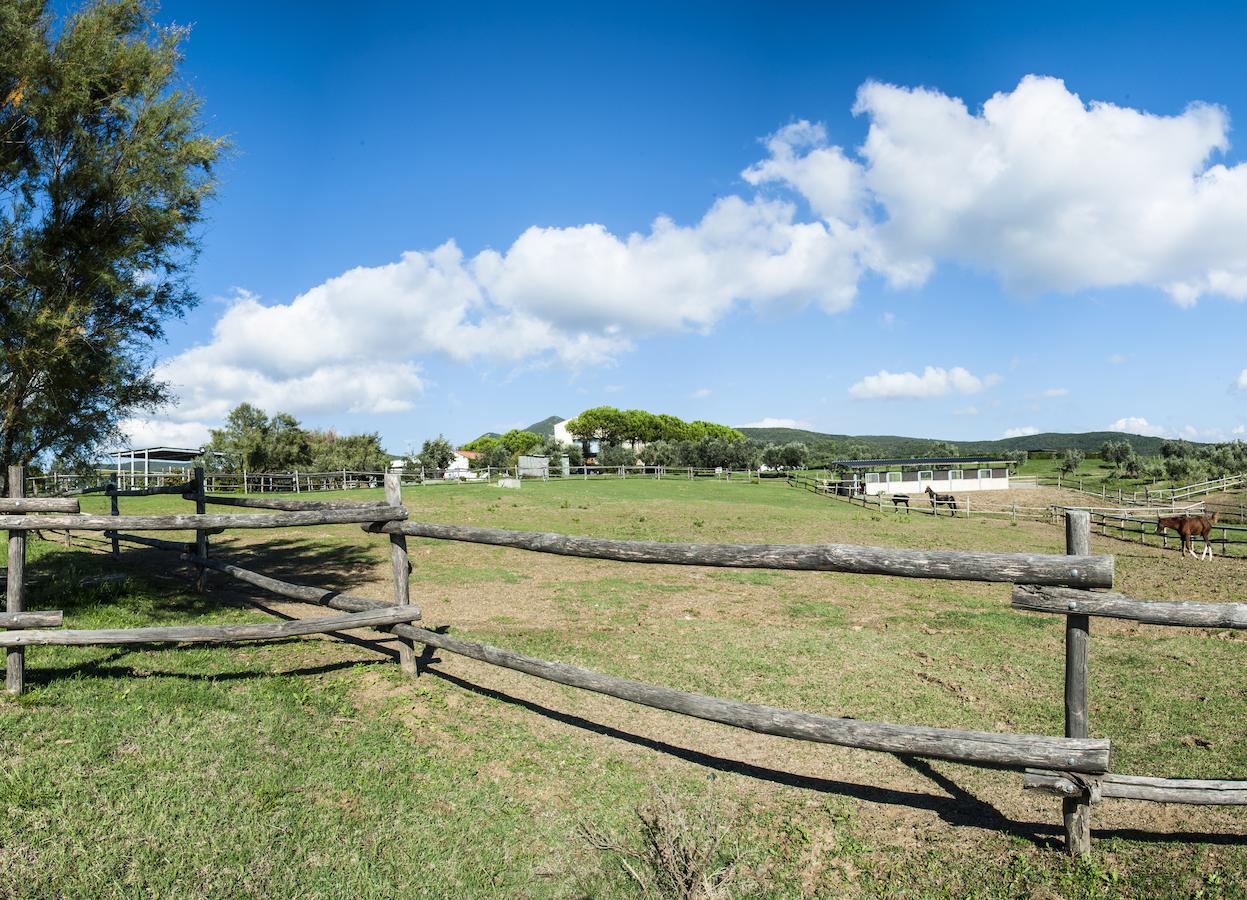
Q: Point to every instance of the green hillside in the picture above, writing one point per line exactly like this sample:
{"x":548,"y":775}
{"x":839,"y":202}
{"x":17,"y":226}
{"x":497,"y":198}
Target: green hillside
{"x":545,"y":427}
{"x":886,"y":445}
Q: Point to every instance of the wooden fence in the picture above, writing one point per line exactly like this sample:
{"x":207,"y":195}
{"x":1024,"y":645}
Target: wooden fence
{"x":1135,"y":524}
{"x":1074,"y":766}
{"x":350,"y":479}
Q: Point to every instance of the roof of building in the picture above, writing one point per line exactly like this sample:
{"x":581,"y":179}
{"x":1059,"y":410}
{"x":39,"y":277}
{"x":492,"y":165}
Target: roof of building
{"x":166,"y":454}
{"x":913,"y":461}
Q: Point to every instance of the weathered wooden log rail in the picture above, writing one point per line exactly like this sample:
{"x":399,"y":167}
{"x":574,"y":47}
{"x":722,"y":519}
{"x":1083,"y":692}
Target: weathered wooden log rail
{"x":1075,"y":767}
{"x":987,"y":748}
{"x":195,"y":522}
{"x":1079,"y":604}
{"x":1066,"y":601}
{"x":202,"y":634}
{"x":1029,"y":568}
{"x":1197,"y":791}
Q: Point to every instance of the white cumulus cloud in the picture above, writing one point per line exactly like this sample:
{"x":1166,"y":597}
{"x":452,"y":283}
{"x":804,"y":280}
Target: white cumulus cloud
{"x":1044,"y":190}
{"x":146,"y":432}
{"x":1242,"y":380}
{"x":1138,"y":425}
{"x":778,"y":423}
{"x":1056,"y":392}
{"x":933,"y":382}
{"x":1022,"y":431}
{"x":1040,"y":188}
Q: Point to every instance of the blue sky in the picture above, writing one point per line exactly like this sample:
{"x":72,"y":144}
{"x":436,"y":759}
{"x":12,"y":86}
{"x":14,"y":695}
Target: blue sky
{"x":1062,"y":257}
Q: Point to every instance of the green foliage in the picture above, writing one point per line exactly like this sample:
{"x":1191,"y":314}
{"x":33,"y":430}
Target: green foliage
{"x":705,"y":453}
{"x":616,"y":455}
{"x":615,"y":426}
{"x":793,"y":455}
{"x":104,"y":171}
{"x":481,"y":444}
{"x":1071,"y":460}
{"x":496,"y":456}
{"x":251,"y":440}
{"x":520,"y":442}
{"x":355,"y":452}
{"x":436,"y":453}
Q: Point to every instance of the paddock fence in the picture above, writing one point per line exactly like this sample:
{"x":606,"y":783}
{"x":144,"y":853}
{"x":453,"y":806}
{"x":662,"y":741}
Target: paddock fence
{"x":1074,"y":766}
{"x":350,"y":479}
{"x":1132,"y":524}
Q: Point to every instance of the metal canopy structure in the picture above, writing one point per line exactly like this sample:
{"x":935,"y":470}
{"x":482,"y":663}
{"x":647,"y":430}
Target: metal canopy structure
{"x":146,"y":461}
{"x":920,"y":462}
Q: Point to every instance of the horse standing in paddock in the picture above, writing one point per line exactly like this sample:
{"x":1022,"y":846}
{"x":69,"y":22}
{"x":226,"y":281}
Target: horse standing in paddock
{"x":1189,"y":528}
{"x":947,"y":499}
{"x":899,"y":500}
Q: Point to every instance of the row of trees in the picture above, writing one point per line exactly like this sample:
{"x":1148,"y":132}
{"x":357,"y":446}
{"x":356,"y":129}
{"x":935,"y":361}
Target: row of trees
{"x":636,"y":426}
{"x":252,"y":441}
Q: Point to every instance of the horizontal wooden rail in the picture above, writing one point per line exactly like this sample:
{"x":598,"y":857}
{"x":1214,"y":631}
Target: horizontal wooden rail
{"x":1136,"y":787}
{"x":192,"y":522}
{"x":32,"y":619}
{"x":1031,"y":568}
{"x":38,"y":505}
{"x":334,"y":599}
{"x":195,"y":634}
{"x":1065,"y":601}
{"x":289,"y":505}
{"x":987,"y":748}
{"x":153,"y":491}
{"x":966,"y":746}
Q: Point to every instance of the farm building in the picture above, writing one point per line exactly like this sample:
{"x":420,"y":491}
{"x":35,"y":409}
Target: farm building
{"x":946,"y":474}
{"x":150,"y":461}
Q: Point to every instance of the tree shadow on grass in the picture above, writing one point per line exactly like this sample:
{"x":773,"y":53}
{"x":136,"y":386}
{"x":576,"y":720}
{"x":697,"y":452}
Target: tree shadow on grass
{"x":58,"y":578}
{"x":113,"y":666}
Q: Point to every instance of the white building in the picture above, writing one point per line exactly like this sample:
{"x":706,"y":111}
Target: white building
{"x":944,"y":475}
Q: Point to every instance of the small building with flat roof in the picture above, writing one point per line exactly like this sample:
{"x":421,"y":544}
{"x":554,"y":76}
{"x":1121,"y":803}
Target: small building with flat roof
{"x":145,"y":461}
{"x":943,"y":474}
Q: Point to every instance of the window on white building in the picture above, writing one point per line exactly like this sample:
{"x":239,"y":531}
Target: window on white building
{"x":894,"y":476}
{"x":985,"y":473}
{"x":955,"y":474}
{"x":872,"y":477}
{"x":926,"y":476}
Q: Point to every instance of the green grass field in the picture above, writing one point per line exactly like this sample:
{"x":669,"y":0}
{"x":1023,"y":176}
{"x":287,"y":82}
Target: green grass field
{"x":314,"y":768}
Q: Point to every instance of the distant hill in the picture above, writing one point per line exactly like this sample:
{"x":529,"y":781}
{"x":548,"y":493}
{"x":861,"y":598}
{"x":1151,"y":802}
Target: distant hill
{"x":545,"y":427}
{"x":886,"y":445}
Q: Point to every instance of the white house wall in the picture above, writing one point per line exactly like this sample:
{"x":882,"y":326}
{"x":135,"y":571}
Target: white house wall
{"x":943,"y":486}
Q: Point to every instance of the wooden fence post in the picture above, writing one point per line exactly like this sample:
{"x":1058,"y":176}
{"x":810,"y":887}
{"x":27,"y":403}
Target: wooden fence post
{"x":201,"y":536}
{"x":1077,"y":810}
{"x":402,"y":571}
{"x":15,"y":588}
{"x":114,"y":509}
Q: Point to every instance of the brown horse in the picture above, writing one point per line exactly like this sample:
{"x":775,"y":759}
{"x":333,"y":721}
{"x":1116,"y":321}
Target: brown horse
{"x":1189,"y":528}
{"x":946,"y":499}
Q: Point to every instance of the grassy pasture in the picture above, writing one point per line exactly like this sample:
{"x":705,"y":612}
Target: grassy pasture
{"x":313,"y":768}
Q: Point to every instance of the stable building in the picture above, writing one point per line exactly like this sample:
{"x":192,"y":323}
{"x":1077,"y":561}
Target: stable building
{"x":943,"y":474}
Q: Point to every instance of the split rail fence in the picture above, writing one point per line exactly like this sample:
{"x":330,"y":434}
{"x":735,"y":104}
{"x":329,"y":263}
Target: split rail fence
{"x":1074,"y":766}
{"x":350,"y":479}
{"x":1134,"y":524}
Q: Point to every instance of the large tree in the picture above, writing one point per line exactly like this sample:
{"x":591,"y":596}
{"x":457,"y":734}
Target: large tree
{"x":104,"y":171}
